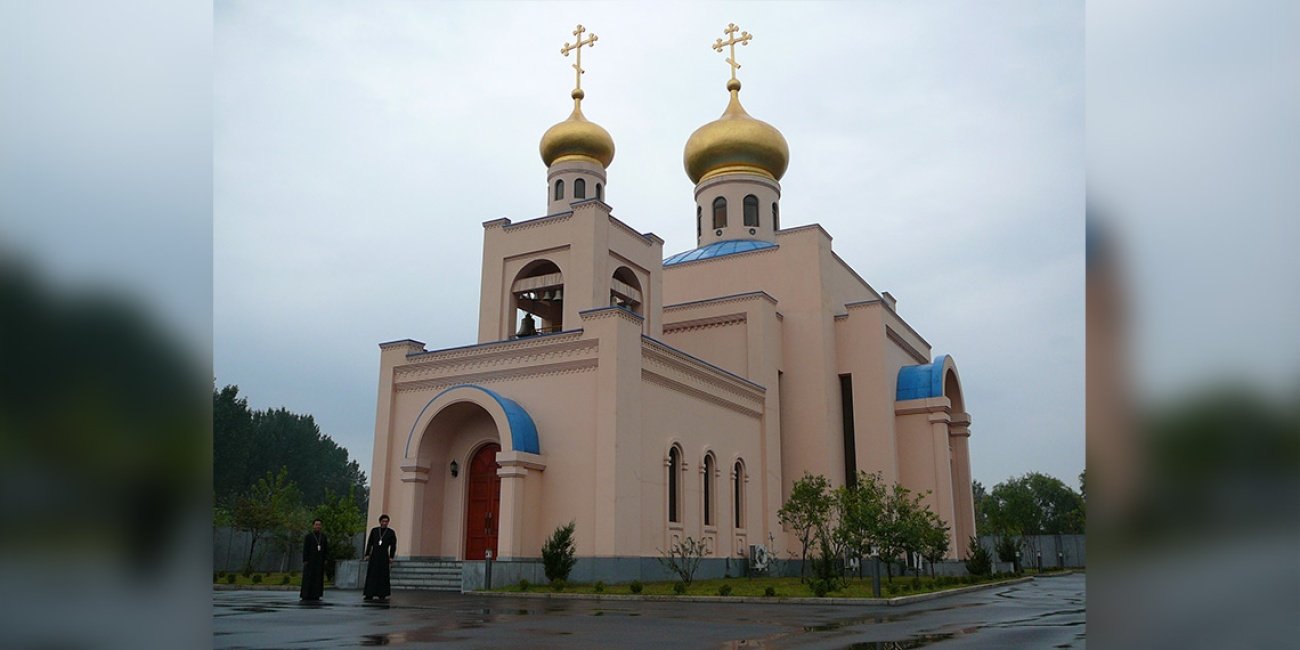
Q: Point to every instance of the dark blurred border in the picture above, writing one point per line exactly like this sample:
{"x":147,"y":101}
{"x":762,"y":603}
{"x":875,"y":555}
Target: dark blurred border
{"x":105,"y":324}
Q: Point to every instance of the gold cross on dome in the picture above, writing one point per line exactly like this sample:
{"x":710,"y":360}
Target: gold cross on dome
{"x":591,"y":42}
{"x":731,"y":42}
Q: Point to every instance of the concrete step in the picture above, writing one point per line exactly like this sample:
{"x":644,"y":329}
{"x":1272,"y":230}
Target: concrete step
{"x":429,"y":575}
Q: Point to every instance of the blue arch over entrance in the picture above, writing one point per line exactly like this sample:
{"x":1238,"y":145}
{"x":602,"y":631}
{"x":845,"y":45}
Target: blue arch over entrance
{"x":523,"y":432}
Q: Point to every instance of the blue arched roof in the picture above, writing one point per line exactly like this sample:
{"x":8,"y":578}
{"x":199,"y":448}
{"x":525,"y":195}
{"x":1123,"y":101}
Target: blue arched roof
{"x":719,"y":249}
{"x":523,"y":433}
{"x":921,"y":381}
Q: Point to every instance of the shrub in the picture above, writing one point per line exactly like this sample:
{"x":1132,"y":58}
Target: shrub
{"x":558,"y":553}
{"x":293,"y":574}
{"x":524,"y":585}
{"x":599,"y":587}
{"x":635,"y":586}
{"x":230,"y":578}
{"x":769,"y":592}
{"x":820,"y":588}
{"x":684,"y":558}
{"x":724,"y":590}
{"x":248,"y":572}
{"x":284,"y":579}
{"x":978,"y":561}
{"x":558,"y":585}
{"x":679,"y":588}
{"x":257,"y":578}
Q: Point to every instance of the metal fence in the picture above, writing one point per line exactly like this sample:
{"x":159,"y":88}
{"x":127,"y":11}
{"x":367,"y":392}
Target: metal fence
{"x":230,"y":550}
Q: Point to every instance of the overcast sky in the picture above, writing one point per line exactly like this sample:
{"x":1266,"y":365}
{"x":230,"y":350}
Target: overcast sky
{"x":358,"y":147}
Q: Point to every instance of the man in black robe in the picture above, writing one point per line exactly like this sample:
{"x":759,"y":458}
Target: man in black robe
{"x":315,"y":549}
{"x":381,"y":548}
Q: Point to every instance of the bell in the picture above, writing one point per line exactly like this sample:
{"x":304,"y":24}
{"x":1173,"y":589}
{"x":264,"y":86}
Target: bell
{"x":547,"y":295}
{"x":559,"y":294}
{"x":528,"y":327}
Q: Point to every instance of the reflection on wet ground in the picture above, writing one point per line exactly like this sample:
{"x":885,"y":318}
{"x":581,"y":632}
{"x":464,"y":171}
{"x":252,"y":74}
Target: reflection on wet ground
{"x":1047,"y":612}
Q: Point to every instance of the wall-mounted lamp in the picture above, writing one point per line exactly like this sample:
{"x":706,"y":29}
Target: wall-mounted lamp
{"x":455,"y":469}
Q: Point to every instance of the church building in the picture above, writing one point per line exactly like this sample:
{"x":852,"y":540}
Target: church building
{"x":651,"y":397}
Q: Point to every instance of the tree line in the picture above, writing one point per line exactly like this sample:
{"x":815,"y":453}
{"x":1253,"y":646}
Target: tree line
{"x":1020,"y":509}
{"x":861,"y":519}
{"x":274,"y":471}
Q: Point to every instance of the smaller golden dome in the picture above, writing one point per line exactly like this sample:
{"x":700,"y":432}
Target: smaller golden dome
{"x":577,"y":138}
{"x":736,"y":142}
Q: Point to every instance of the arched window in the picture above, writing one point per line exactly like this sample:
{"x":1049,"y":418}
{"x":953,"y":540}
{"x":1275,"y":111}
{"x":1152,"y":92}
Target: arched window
{"x":699,"y":221}
{"x":559,"y":189}
{"x":674,"y":477}
{"x":751,"y":211}
{"x":579,"y":189}
{"x":738,"y":493}
{"x":600,"y":191}
{"x":776,"y":217}
{"x":708,"y":490}
{"x":719,"y":213}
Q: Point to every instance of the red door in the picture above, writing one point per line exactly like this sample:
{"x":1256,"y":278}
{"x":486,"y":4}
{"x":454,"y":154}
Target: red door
{"x":484,"y":503}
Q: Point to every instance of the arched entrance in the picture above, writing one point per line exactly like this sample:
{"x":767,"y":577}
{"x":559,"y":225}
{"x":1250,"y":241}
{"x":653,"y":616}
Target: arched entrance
{"x":483,"y":508}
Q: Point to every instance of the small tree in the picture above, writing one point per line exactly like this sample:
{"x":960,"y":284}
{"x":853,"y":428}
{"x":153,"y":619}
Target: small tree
{"x":683,"y":558}
{"x":806,"y":510}
{"x":934,"y":539}
{"x":978,"y":562}
{"x":266,"y":507}
{"x":558,"y":553}
{"x":341,"y":518}
{"x":861,"y":512}
{"x":1007,"y":546}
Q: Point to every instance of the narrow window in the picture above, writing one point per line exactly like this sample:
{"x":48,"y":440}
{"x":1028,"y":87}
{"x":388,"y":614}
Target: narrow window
{"x":738,"y":494}
{"x":674,"y":470}
{"x":719,"y":213}
{"x":600,"y":191}
{"x":699,"y":221}
{"x":751,"y":211}
{"x":559,"y":189}
{"x":708,"y":490}
{"x":776,"y":216}
{"x":579,"y":189}
{"x":850,"y":448}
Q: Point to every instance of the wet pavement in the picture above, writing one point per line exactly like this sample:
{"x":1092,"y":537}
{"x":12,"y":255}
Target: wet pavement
{"x":1042,"y":613}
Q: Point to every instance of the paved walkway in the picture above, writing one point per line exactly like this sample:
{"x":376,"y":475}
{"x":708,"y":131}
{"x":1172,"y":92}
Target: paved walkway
{"x":1042,"y":613}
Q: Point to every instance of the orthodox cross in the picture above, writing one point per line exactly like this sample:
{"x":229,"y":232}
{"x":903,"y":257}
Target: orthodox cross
{"x":591,"y":41}
{"x":731,"y":42}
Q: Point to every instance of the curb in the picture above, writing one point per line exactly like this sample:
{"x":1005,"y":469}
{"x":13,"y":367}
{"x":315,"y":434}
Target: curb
{"x":218,"y":587}
{"x":792,"y":600}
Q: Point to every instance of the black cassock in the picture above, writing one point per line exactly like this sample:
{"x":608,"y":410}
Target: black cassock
{"x":381,"y":547}
{"x":315,"y":549}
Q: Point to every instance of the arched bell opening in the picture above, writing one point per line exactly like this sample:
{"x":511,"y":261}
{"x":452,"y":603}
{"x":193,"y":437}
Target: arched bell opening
{"x":537,"y":299}
{"x":625,"y":290}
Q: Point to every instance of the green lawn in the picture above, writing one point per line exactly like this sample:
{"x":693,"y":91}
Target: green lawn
{"x":267,"y":578}
{"x":783,"y":587}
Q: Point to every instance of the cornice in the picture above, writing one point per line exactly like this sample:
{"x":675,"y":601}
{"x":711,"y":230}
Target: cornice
{"x":403,"y":344}
{"x":548,"y":220}
{"x":687,"y":389}
{"x":494,"y":346}
{"x":612,"y":312}
{"x":905,"y":345}
{"x":496,"y":376}
{"x":704,"y":323}
{"x":645,"y":238}
{"x":495,"y":358}
{"x":669,"y":359}
{"x":735,"y":297}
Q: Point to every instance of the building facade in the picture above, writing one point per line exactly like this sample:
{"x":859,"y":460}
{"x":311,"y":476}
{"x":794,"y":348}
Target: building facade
{"x":650,"y":399}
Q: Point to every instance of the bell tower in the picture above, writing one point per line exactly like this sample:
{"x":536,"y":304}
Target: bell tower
{"x":539,"y":275}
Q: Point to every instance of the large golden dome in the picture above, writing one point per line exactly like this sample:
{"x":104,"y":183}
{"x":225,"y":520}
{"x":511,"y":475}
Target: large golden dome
{"x":736,"y":142}
{"x":577,"y":138}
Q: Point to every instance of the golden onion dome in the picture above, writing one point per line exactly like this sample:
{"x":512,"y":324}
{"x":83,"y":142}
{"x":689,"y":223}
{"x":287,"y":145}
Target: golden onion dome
{"x":736,"y":142}
{"x":577,"y":138}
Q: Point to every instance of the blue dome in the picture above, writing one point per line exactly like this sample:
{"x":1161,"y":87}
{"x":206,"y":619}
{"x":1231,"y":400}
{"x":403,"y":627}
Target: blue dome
{"x":917,"y":382}
{"x":719,"y":249}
